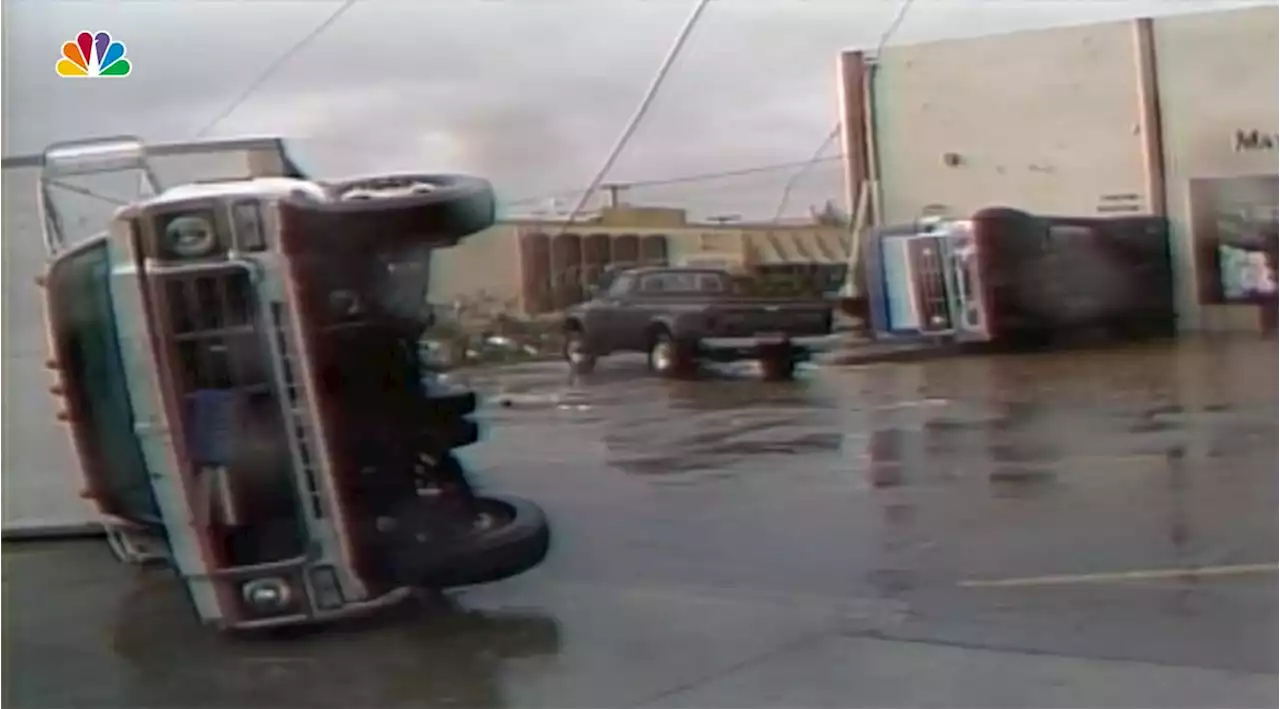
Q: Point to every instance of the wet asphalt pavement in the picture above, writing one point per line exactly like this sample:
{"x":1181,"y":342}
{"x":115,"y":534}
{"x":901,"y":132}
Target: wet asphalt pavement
{"x":732,"y":543}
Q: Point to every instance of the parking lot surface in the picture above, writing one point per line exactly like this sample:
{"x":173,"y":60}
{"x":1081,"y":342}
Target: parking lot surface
{"x":1088,"y":528}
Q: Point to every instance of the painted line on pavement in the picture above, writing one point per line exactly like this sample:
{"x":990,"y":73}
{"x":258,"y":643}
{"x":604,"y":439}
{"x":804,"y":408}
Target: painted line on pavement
{"x":1136,"y":575}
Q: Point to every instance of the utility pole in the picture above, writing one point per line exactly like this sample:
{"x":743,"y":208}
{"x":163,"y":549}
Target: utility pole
{"x":613,"y":188}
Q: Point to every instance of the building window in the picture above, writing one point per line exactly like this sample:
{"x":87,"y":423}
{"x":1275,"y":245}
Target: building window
{"x":1233,"y":223}
{"x":595,"y":257}
{"x":626,"y":249}
{"x":535,"y":262}
{"x":566,"y":270}
{"x":654,"y":249}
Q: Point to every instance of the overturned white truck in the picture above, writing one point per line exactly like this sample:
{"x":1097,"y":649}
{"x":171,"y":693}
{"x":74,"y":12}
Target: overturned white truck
{"x":237,"y":361}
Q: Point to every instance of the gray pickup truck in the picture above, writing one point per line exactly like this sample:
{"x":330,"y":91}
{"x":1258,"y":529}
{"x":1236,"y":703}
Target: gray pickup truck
{"x":682,"y":316}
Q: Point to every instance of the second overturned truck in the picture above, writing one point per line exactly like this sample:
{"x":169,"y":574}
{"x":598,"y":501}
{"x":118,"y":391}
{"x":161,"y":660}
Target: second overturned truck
{"x":238,"y":363}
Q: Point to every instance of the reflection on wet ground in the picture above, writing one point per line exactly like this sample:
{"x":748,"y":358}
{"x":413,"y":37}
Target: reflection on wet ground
{"x":713,"y":532}
{"x":158,"y":656}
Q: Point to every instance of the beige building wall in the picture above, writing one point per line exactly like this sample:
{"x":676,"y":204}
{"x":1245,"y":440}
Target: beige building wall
{"x":1047,"y":121}
{"x":1216,"y":75}
{"x":484,"y":266}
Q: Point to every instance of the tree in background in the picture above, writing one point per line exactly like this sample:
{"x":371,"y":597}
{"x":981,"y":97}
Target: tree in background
{"x":829,"y":215}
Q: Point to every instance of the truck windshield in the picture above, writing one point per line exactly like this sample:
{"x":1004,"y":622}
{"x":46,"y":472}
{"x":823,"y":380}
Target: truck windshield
{"x":93,"y":377}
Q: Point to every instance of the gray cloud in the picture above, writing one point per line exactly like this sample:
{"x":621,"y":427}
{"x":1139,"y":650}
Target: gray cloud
{"x":531,"y":93}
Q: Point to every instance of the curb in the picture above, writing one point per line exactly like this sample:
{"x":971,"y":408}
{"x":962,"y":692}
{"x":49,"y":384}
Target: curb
{"x":53,"y":532}
{"x":876,"y":352}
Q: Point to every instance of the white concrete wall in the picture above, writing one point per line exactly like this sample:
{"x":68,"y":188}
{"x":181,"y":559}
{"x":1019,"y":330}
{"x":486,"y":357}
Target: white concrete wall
{"x":1046,"y":121}
{"x":1217,"y":72}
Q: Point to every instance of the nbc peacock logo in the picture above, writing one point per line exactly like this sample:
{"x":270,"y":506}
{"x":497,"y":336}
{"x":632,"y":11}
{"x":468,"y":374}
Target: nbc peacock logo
{"x":93,"y":54}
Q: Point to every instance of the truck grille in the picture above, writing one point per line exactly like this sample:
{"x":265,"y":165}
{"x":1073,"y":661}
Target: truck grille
{"x":213,"y":331}
{"x":295,"y":397}
{"x":233,"y":422}
{"x":929,"y":284}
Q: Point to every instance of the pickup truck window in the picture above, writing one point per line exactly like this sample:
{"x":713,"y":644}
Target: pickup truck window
{"x":684,"y":282}
{"x":620,"y":286}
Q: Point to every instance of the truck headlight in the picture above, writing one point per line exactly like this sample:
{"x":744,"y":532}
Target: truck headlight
{"x":190,"y":236}
{"x":267,"y":595}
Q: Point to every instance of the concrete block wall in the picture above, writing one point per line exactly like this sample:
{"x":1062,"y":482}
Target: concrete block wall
{"x":1046,"y":120}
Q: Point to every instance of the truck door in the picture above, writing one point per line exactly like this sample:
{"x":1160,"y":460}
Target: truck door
{"x":614,"y":323}
{"x":641,"y":306}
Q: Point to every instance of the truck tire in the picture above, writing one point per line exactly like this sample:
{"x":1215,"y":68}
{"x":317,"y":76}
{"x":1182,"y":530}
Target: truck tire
{"x":516,"y":540}
{"x":669,"y":357}
{"x":443,"y":207}
{"x":778,"y":366}
{"x":575,"y":352}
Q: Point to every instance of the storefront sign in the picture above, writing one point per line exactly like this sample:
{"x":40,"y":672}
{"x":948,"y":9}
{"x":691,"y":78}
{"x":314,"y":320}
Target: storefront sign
{"x":1254,"y":139}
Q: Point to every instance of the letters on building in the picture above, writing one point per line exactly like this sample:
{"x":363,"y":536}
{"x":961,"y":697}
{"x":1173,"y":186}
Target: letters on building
{"x":1248,"y":140}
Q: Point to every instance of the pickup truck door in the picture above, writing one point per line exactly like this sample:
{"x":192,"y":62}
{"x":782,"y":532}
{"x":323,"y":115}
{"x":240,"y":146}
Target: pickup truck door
{"x":631,"y":315}
{"x":617,"y":314}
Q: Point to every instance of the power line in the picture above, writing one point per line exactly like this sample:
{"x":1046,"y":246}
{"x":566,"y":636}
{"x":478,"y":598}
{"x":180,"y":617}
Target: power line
{"x":679,"y":179}
{"x":804,"y":169}
{"x":885,"y":36}
{"x":892,"y":29}
{"x":275,"y":66}
{"x":642,"y":109}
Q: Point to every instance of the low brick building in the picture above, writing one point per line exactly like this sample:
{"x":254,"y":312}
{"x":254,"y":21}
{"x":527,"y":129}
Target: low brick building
{"x":535,"y":266}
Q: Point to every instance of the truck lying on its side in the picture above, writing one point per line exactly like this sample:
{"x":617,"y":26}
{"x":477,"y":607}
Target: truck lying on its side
{"x":680,"y":316}
{"x":238,"y":365}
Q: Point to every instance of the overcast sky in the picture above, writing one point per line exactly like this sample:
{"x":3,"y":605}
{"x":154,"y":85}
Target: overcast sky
{"x":530,"y":93}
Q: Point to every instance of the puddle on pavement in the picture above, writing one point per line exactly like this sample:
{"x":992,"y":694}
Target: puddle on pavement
{"x":1017,"y":427}
{"x":431,"y":653}
{"x":738,"y":430}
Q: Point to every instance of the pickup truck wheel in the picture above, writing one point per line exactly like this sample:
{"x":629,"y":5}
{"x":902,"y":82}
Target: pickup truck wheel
{"x":778,"y":367}
{"x":669,"y":358}
{"x":575,"y":352}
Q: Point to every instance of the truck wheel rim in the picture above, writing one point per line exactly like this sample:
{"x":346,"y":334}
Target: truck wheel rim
{"x":574,"y":351}
{"x":662,"y":356}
